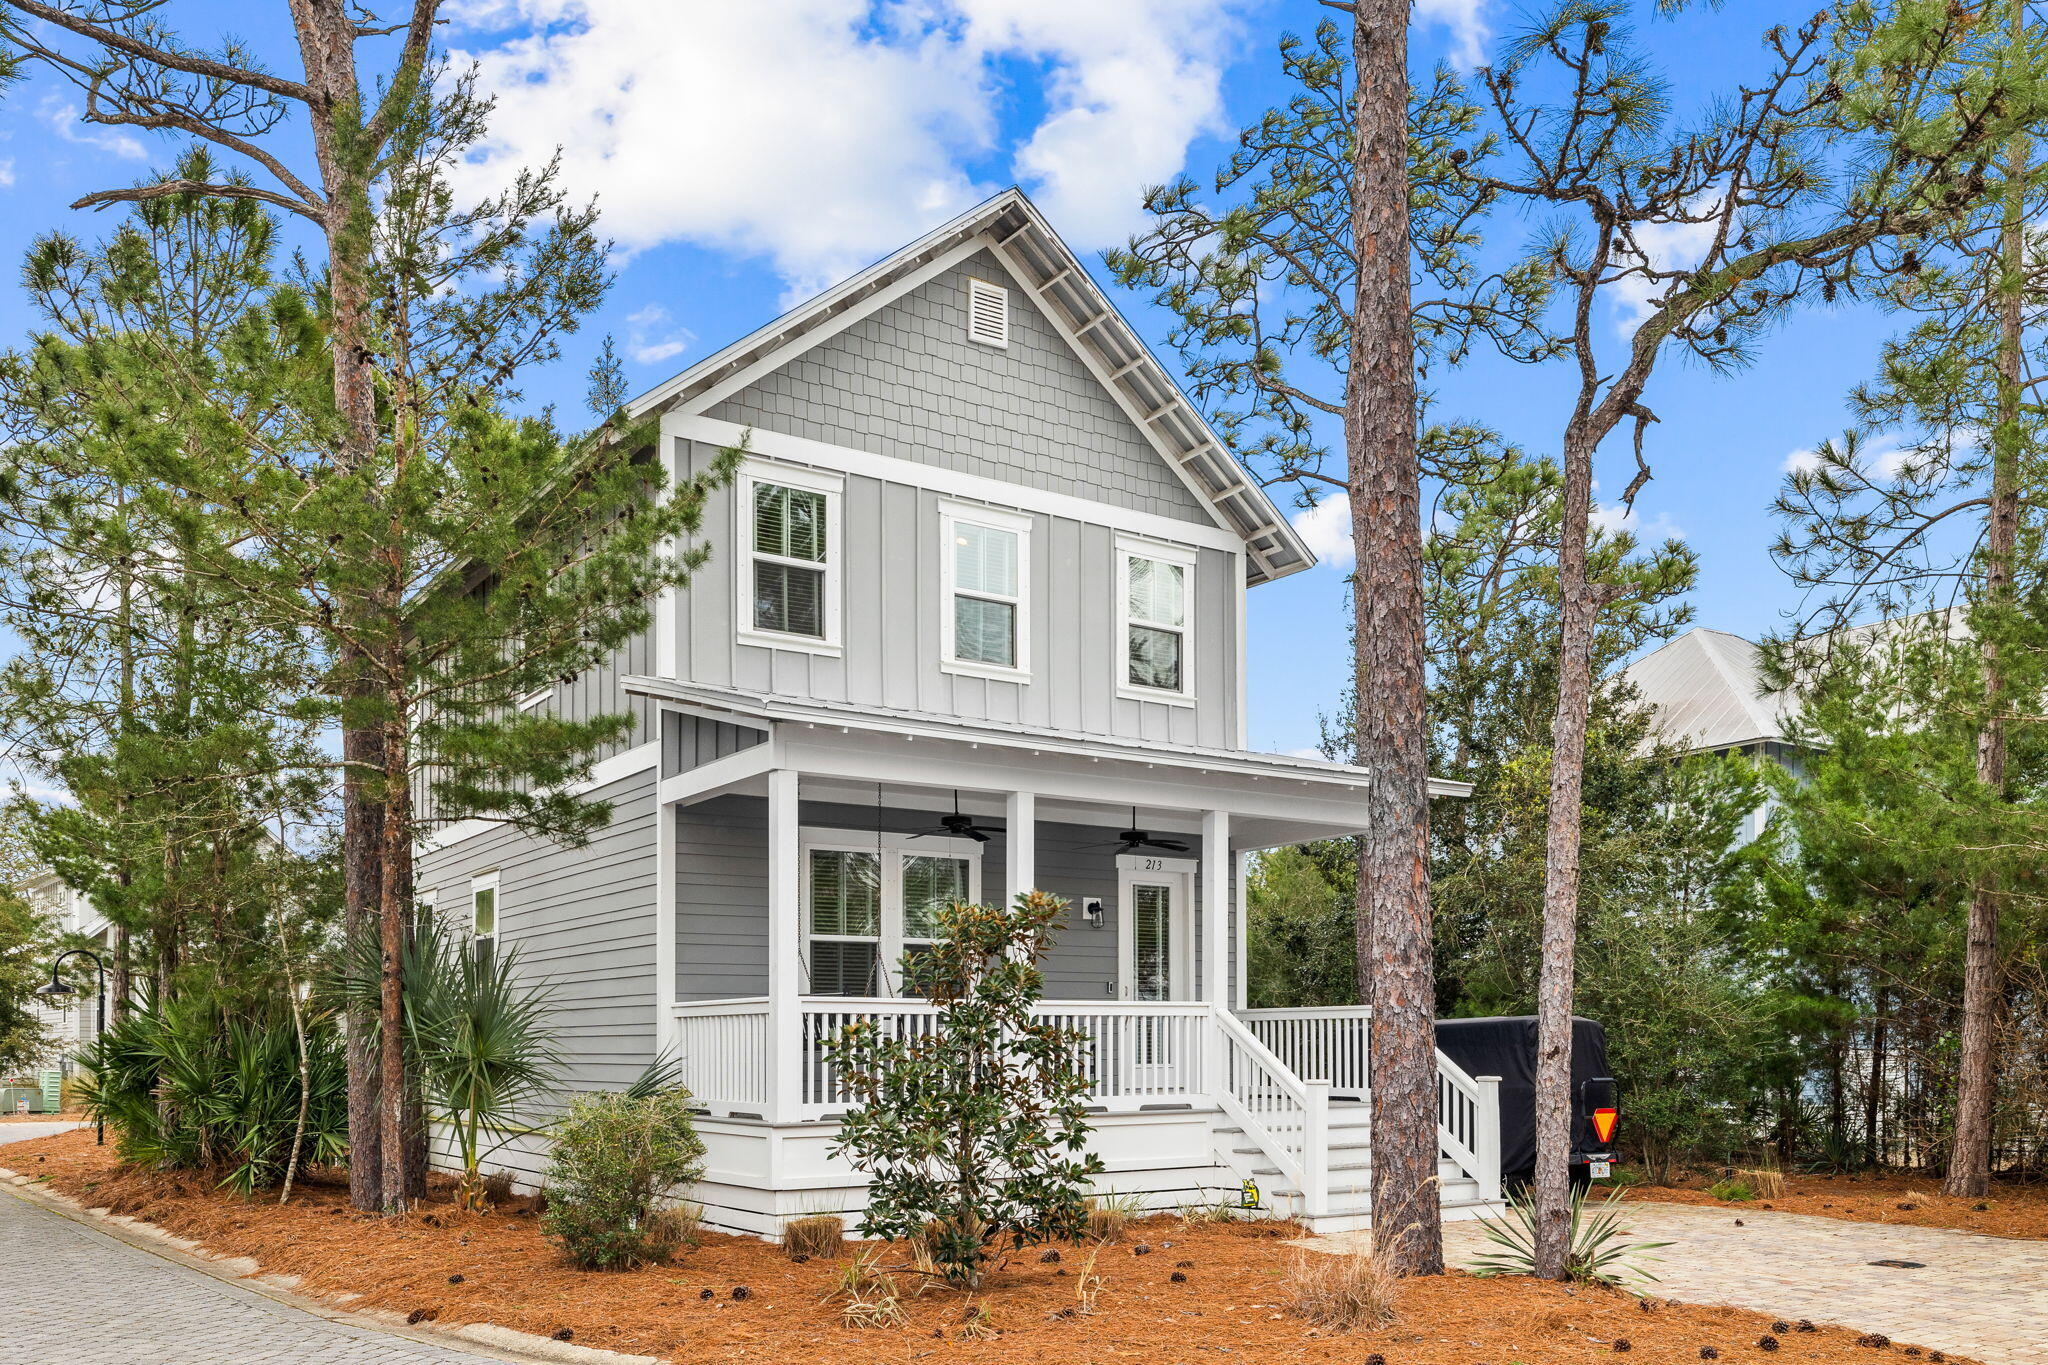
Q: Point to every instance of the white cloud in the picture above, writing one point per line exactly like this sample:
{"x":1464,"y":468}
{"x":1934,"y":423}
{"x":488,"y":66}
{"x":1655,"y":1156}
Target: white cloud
{"x":1613,"y":517}
{"x":64,"y":120}
{"x":1665,"y":246}
{"x":1464,"y":18}
{"x":1309,"y":752}
{"x":6,"y":173}
{"x":824,"y":133}
{"x":1326,"y":530}
{"x":651,"y":338}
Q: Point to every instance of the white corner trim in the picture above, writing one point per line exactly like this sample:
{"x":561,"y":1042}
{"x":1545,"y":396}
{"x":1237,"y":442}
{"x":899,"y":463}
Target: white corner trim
{"x":994,"y":492}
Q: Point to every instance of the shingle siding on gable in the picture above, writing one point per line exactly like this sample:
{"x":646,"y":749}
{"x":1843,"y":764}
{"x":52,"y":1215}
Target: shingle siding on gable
{"x":907,"y":382}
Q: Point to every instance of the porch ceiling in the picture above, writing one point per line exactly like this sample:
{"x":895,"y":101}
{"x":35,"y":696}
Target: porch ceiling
{"x":843,"y":752}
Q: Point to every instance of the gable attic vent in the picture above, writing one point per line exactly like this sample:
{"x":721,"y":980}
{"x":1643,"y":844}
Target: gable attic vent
{"x":988,"y":313}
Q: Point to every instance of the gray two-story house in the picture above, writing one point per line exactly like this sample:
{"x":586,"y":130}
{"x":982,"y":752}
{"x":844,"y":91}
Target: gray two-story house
{"x":973,"y":624}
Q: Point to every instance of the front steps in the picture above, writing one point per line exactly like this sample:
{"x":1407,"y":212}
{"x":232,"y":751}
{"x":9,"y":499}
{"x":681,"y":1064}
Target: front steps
{"x":1350,"y":1174}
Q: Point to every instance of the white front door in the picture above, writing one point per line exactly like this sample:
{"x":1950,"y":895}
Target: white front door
{"x":1155,"y":949}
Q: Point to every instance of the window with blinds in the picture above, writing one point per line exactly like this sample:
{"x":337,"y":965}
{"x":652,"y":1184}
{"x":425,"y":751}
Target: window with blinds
{"x":845,"y":893}
{"x":791,"y":554}
{"x":865,"y":908}
{"x":1156,"y":604}
{"x":986,"y":560}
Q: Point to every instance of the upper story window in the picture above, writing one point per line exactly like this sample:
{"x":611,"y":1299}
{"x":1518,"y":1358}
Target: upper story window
{"x":789,"y":589}
{"x":1156,"y":606}
{"x":986,"y":558}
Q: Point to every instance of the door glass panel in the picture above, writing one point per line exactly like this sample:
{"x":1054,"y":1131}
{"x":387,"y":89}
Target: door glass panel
{"x":928,"y":884}
{"x":1152,"y":940}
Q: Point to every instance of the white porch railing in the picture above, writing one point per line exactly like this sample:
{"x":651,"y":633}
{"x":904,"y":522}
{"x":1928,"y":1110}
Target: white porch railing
{"x":723,"y":1045}
{"x":1327,"y":1042}
{"x":1135,"y":1054}
{"x":1272,"y":1071}
{"x":1334,"y":1043}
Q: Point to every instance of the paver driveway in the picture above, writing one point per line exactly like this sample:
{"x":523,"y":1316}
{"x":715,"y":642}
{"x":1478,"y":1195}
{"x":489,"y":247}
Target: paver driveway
{"x":71,"y":1292}
{"x":1978,"y":1296}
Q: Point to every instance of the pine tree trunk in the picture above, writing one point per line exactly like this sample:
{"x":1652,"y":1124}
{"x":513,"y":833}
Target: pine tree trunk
{"x":1873,"y":1098}
{"x":395,"y":1131}
{"x":1395,"y":950}
{"x":1578,"y":606}
{"x":1969,"y":1163}
{"x":326,"y":37}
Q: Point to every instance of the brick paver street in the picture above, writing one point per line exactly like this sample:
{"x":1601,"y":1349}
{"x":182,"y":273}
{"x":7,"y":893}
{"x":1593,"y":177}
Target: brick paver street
{"x":1978,"y":1296}
{"x":71,"y":1292}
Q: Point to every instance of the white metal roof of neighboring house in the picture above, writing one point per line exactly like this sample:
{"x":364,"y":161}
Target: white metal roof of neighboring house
{"x":1018,"y":236}
{"x":1708,"y":690}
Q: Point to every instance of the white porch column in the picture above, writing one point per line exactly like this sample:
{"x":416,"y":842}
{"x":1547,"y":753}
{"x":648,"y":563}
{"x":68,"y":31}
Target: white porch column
{"x":666,"y":1039}
{"x":1020,"y":843}
{"x":1240,"y":868}
{"x":1216,"y":865}
{"x":785,"y":968}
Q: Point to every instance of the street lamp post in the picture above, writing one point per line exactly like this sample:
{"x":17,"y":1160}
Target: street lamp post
{"x":57,"y":988}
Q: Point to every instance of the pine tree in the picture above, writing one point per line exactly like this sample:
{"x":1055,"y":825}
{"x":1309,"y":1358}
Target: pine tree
{"x":1583,"y":128}
{"x":1291,"y":304}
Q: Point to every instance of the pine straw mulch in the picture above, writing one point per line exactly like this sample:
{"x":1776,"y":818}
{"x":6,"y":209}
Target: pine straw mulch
{"x":1228,"y":1306}
{"x":2010,"y":1210}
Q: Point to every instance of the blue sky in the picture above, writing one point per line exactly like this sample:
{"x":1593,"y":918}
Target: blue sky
{"x":746,"y":155}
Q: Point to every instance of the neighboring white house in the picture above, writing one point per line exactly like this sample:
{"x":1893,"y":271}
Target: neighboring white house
{"x":77,"y":1022}
{"x":974,"y":624}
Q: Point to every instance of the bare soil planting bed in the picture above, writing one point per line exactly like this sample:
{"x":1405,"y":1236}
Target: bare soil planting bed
{"x":1193,"y":1293}
{"x":2008,"y":1211}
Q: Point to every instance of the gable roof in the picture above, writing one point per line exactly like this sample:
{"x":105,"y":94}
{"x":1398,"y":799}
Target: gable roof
{"x":1708,"y":690}
{"x":1010,"y":226}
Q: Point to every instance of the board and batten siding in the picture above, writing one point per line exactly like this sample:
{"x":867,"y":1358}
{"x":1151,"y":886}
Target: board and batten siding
{"x":905,"y":381}
{"x":582,"y":920}
{"x":722,"y":894}
{"x":892,"y":591}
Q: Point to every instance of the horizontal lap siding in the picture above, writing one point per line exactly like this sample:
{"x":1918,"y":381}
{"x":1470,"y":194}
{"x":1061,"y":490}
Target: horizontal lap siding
{"x":722,"y":893}
{"x":582,"y":921}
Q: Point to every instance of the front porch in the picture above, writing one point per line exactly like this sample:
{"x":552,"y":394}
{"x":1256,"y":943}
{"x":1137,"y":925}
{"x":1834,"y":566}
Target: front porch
{"x":802,"y":858}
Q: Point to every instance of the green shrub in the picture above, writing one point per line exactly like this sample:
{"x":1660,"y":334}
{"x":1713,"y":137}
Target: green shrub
{"x":617,"y":1158}
{"x":1732,"y":1189}
{"x":196,"y":1086}
{"x":974,"y":1134}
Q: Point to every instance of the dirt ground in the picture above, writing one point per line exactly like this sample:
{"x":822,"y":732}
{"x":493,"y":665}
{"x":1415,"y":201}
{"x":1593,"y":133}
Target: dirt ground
{"x":740,"y":1299}
{"x":2008,"y":1211}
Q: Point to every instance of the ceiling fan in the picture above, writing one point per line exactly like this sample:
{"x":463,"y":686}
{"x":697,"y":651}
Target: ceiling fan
{"x":1135,"y":838}
{"x":958,"y":826}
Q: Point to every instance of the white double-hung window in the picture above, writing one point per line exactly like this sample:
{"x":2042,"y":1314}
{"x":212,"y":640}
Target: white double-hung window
{"x":1156,"y":601}
{"x":985,"y":559}
{"x":789,"y":587}
{"x":867,"y":901}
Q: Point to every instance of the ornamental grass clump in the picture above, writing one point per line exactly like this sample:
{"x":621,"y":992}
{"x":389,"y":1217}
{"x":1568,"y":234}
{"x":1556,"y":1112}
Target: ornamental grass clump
{"x":618,"y":1160}
{"x":974,"y":1134}
{"x":1358,"y":1288}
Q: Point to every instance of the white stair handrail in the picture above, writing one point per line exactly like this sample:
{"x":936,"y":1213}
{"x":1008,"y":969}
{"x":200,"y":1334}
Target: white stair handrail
{"x":1468,"y":1124}
{"x":1288,"y":1117}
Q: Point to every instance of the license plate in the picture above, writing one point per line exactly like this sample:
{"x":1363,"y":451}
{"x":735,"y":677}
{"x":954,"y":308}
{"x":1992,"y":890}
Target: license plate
{"x":1601,"y":1169}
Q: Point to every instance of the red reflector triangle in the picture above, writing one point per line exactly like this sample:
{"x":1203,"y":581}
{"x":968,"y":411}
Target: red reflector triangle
{"x":1603,"y":1124}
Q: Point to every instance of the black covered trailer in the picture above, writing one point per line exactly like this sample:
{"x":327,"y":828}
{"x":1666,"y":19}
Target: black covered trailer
{"x":1506,"y":1048}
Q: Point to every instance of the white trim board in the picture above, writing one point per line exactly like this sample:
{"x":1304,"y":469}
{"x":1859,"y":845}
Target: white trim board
{"x":997,"y":493}
{"x":602,"y":774}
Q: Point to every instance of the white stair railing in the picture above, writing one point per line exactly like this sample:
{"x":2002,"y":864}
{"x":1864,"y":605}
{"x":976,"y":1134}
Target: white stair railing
{"x":1468,"y":1124}
{"x":1286,"y":1116}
